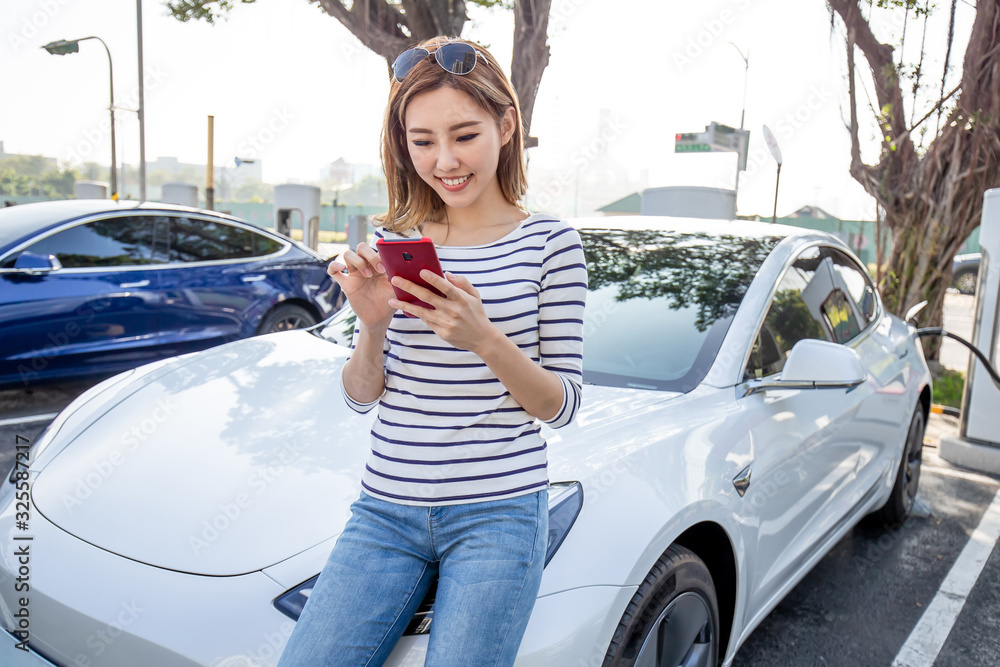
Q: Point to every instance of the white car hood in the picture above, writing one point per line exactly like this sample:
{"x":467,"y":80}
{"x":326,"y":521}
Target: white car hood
{"x":236,"y":460}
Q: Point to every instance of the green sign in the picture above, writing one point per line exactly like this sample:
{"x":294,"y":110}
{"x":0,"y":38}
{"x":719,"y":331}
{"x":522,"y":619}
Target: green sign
{"x":692,"y":148}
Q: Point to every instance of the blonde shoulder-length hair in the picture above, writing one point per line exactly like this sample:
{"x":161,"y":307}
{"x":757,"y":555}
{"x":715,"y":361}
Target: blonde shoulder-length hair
{"x":411,"y":200}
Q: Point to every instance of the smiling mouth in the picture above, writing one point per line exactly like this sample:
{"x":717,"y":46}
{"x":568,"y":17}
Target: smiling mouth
{"x":455,"y":183}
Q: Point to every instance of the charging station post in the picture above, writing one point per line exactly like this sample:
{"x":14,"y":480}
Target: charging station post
{"x":978,"y":442}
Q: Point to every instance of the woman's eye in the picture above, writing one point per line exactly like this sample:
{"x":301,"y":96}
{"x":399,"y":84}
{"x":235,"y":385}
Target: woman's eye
{"x":467,"y":137}
{"x":421,"y":143}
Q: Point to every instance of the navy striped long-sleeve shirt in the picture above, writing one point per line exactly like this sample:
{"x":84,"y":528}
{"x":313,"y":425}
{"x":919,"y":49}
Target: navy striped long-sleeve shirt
{"x":447,"y":430}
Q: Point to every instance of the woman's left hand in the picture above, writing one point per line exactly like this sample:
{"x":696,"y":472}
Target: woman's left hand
{"x":458,"y":317}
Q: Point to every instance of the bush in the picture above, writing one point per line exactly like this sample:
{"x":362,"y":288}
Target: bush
{"x":948,"y":389}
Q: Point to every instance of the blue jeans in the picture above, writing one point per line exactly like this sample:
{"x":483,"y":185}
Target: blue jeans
{"x":488,"y":559}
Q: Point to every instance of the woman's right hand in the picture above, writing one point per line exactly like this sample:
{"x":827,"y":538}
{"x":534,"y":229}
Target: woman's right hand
{"x":365,"y":285}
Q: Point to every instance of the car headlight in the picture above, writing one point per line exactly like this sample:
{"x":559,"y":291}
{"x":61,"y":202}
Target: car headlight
{"x":565,"y":503}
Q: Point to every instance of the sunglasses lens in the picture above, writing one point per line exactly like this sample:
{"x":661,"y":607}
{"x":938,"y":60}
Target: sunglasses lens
{"x":457,"y":58}
{"x":406,"y":61}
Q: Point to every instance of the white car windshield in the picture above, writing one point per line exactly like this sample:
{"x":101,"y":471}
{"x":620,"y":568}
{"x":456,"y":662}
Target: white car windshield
{"x":659,"y":304}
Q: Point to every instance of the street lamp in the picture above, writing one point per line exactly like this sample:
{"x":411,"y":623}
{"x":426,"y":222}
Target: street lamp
{"x":746,"y":72}
{"x":61,"y":47}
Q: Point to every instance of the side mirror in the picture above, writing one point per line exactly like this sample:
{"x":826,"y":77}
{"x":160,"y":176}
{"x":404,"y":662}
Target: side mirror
{"x":815,"y":364}
{"x":35,"y":265}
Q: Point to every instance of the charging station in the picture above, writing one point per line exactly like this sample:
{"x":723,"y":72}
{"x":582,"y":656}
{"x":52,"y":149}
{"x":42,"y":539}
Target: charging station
{"x":182,"y":194}
{"x":978,"y":443}
{"x":292,"y":198}
{"x":357,"y":230}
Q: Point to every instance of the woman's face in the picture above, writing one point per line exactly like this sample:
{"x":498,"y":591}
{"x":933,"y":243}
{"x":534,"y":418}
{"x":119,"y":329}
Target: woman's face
{"x":455,"y":145}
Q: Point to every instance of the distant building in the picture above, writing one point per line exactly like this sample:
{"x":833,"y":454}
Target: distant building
{"x":342,"y":172}
{"x":627,"y":205}
{"x":812,"y":212}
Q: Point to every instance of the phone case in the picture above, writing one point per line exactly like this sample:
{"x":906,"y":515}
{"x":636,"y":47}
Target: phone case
{"x":405,"y":258}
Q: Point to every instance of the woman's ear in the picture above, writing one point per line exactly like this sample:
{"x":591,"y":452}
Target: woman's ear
{"x":507,"y":125}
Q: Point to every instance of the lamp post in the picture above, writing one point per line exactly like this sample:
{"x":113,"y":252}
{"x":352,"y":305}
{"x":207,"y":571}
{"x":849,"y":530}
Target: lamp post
{"x":743,"y":113}
{"x":61,"y":47}
{"x":142,"y":106}
{"x":772,"y":145}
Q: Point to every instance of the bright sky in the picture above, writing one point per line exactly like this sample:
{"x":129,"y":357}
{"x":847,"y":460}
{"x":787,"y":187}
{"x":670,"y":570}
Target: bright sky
{"x":290,"y":85}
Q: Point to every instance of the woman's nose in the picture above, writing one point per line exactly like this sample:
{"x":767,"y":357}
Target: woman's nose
{"x":446,"y":159}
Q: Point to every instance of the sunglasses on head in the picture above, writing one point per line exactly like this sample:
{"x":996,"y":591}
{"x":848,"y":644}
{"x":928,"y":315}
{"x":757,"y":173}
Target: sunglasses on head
{"x":455,"y":57}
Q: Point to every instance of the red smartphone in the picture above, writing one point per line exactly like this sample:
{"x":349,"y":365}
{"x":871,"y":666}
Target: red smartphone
{"x":405,"y":258}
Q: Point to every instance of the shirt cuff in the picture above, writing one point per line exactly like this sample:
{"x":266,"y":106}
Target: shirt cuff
{"x":570,"y":405}
{"x":357,"y":406}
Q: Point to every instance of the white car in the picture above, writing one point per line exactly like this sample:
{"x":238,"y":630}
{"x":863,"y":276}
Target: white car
{"x":747,"y":400}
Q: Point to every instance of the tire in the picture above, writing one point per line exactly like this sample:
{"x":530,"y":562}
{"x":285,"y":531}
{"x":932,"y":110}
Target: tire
{"x":673,"y":618}
{"x":965,"y":281}
{"x":904,"y":489}
{"x":285,"y":318}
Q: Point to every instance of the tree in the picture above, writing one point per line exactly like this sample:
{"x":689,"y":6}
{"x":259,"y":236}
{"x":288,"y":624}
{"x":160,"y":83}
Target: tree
{"x":19,"y":178}
{"x":387,"y":27}
{"x":928,"y":184}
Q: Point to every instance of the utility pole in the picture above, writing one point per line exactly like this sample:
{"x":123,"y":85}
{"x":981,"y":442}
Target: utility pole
{"x":743,"y":113}
{"x":142,"y":107}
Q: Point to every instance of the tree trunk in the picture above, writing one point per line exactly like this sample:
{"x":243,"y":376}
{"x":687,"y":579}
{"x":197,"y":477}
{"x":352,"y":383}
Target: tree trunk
{"x":932,"y":202}
{"x":531,"y":55}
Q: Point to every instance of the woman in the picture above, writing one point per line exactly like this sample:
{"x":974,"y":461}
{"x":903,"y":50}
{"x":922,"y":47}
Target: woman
{"x":455,"y":486}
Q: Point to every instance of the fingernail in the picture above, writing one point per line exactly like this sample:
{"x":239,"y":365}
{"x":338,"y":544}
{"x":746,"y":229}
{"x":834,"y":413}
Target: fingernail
{"x":381,"y":267}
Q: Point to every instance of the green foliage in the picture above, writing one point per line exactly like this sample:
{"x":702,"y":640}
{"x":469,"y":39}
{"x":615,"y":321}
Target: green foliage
{"x":948,"y":388}
{"x":212,"y":10}
{"x":51,"y":184}
{"x":369,"y":191}
{"x":491,"y":4}
{"x":918,"y":7}
{"x":889,"y":289}
{"x":202,"y":10}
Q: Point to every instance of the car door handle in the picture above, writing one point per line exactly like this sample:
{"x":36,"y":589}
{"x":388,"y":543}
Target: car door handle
{"x":138,"y":283}
{"x":253,"y":279}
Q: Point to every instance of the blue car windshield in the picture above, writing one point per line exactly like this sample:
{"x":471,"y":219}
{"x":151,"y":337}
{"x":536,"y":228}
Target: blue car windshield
{"x":660,"y":303}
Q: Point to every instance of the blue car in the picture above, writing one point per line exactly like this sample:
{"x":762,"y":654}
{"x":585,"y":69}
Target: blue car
{"x":90,"y":288}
